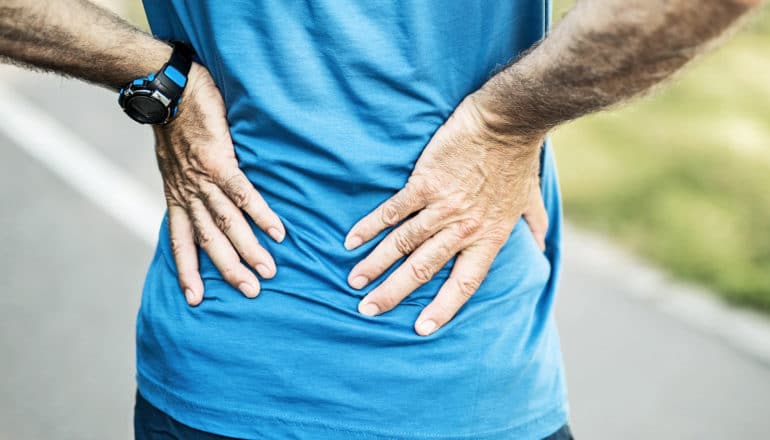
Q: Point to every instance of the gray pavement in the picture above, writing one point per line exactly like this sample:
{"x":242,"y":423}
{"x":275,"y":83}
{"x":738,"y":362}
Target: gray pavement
{"x":634,"y":372}
{"x":71,"y":277}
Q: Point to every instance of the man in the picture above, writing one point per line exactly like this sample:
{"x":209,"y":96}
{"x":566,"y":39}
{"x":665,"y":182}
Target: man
{"x":383,"y":153}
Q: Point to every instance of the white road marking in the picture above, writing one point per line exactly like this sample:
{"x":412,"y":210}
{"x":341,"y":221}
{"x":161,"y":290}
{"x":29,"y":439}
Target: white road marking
{"x":80,"y":165}
{"x":130,"y":204}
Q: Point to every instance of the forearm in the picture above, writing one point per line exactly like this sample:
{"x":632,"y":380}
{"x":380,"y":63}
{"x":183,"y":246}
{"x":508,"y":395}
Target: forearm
{"x":77,"y":38}
{"x":602,"y":52}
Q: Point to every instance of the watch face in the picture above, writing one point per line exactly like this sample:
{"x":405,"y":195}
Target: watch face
{"x":146,"y":110}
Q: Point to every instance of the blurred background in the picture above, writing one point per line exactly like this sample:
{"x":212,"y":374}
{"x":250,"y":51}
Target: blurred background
{"x":665,"y":294}
{"x":682,"y":177}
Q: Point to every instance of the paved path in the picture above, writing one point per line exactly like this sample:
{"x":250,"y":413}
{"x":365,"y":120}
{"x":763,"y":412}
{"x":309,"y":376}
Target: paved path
{"x":71,"y":274}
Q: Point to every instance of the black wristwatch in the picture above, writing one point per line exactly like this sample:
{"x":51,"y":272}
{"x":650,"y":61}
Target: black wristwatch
{"x":155,"y":98}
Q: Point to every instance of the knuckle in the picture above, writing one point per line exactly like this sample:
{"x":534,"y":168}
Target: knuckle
{"x":240,"y":198}
{"x":420,"y":272}
{"x":389,"y":214}
{"x":403,"y":243}
{"x":177,"y":247}
{"x":188,"y":190}
{"x":454,"y":204}
{"x":173,"y":198}
{"x":224,"y":222}
{"x":424,"y":189}
{"x":466,"y":228}
{"x":454,"y":207}
{"x":419,"y":229}
{"x":448,"y":210}
{"x":238,"y":195}
{"x":467,"y":286}
{"x":497,"y":239}
{"x":203,"y":161}
{"x":445,"y":250}
{"x":203,"y":237}
{"x":201,"y":194}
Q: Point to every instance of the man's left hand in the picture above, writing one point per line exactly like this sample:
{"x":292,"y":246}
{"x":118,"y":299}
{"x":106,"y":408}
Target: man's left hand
{"x":468,"y":189}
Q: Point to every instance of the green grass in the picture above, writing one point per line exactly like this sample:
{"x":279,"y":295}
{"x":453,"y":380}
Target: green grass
{"x":682,"y":177}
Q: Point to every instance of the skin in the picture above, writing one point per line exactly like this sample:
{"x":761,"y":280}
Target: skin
{"x":476,"y":177}
{"x":206,"y":193}
{"x":466,"y":204}
{"x":472,"y":182}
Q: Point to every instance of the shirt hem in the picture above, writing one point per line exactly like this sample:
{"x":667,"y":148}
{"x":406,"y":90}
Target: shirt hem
{"x":279,"y":425}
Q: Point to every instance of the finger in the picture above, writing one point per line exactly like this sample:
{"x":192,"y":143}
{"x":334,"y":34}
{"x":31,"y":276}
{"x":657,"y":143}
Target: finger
{"x":221,"y":251}
{"x":230,"y":220}
{"x":399,"y":243}
{"x":243,"y":194}
{"x":406,"y":201}
{"x":417,"y":270}
{"x":468,"y":272}
{"x":185,"y":254}
{"x":537,"y":217}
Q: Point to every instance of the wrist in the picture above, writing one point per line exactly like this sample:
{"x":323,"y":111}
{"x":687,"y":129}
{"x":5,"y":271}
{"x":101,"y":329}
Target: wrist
{"x":197,"y":79}
{"x":148,"y":55}
{"x":507,"y":117}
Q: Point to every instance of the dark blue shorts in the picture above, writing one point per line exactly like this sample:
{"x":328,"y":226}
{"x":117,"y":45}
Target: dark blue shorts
{"x":150,"y":423}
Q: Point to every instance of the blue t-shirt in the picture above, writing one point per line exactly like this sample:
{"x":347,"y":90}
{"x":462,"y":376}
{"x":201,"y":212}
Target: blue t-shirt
{"x":330,"y":103}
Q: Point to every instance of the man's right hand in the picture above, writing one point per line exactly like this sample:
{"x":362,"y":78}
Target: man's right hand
{"x":206,"y":193}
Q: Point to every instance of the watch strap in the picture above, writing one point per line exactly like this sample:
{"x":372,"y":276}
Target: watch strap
{"x":155,"y":99}
{"x":172,"y":77}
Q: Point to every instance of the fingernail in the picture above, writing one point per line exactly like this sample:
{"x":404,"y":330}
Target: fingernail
{"x":275,"y":234}
{"x":369,"y":309}
{"x":426,"y":327}
{"x":190,"y":295}
{"x":264,"y":271}
{"x":353,"y":242}
{"x":248,"y":290}
{"x":359,"y":282}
